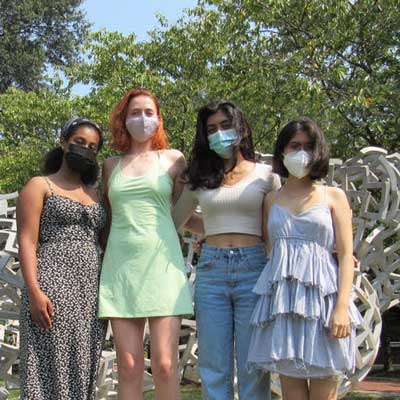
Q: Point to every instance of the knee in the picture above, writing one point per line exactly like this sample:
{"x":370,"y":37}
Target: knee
{"x":130,"y":369}
{"x":164,"y":369}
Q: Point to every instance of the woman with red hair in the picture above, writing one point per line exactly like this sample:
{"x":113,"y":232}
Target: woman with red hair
{"x":143,"y":274}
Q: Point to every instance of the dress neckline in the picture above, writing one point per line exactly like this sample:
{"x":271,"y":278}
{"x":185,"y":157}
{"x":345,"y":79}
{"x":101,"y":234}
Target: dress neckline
{"x":299,"y":215}
{"x":159,"y":168}
{"x":73,"y":200}
{"x":244,"y":178}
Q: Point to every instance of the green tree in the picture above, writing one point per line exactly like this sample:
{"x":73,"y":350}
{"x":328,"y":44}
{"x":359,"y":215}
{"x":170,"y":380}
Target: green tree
{"x":335,"y":60}
{"x":35,"y":34}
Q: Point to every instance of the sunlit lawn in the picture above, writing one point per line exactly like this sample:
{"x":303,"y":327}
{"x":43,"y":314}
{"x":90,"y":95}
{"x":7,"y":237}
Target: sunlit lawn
{"x":193,"y":392}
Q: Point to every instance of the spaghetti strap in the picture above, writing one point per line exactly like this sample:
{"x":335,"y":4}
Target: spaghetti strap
{"x":49,"y":185}
{"x":162,"y":168}
{"x":325,"y":194}
{"x":276,"y":193}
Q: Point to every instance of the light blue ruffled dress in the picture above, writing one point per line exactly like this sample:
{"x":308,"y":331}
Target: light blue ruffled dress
{"x":297,"y":295}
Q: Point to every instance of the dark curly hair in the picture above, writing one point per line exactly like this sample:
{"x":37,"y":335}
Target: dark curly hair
{"x":320,"y":154}
{"x":206,"y":169}
{"x":53,"y":159}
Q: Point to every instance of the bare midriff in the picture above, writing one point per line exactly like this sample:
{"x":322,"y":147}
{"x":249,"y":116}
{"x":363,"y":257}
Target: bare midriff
{"x":233,"y":240}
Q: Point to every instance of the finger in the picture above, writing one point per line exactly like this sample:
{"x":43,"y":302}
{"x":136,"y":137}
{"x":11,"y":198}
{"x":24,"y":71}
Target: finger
{"x":40,"y":322}
{"x":340,"y":332}
{"x":43,"y":324}
{"x":50,"y":309}
{"x":46,"y":319}
{"x":37,"y":321}
{"x":348,"y":331}
{"x":334,"y":329}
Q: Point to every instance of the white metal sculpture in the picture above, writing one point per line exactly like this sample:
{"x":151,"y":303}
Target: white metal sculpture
{"x":371,"y":180}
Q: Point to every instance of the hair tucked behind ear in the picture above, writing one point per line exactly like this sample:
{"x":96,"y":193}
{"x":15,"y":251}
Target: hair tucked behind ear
{"x":205,"y":168}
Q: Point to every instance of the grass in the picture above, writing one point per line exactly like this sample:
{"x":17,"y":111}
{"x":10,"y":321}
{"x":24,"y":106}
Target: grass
{"x":189,"y":392}
{"x":355,"y":396}
{"x":193,"y":392}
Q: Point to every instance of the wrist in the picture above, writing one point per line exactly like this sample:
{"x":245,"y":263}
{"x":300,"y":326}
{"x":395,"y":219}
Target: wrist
{"x":33,"y":290}
{"x":342,"y":305}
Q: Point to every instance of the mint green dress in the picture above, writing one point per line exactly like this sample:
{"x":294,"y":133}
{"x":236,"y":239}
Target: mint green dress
{"x":143,"y":272}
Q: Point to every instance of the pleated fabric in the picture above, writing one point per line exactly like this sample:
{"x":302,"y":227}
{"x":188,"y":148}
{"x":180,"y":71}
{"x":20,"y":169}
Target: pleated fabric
{"x":297,"y":297}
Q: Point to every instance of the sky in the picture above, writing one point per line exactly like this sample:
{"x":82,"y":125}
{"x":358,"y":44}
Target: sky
{"x":130,"y":16}
{"x":133,"y":16}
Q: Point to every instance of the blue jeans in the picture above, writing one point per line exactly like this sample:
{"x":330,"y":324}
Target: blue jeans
{"x":224,"y":302}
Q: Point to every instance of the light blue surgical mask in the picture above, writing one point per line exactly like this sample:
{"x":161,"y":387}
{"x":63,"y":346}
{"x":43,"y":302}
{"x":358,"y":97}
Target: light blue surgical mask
{"x":222,"y":142}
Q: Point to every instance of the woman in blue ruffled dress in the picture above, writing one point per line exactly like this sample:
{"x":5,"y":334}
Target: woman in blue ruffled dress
{"x":304,"y":321}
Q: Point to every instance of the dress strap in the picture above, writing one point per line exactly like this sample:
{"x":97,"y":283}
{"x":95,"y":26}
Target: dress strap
{"x":277,"y":193}
{"x":49,"y":185}
{"x":325,"y":194}
{"x":161,"y":163}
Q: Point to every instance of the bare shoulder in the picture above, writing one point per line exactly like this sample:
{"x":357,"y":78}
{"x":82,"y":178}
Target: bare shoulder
{"x":175,"y":161}
{"x":272,"y":177}
{"x":335,"y":192}
{"x":36,"y":185}
{"x":111,"y":162}
{"x":336,"y":196}
{"x":33,"y":193}
{"x":173,"y":155}
{"x":269,"y":199}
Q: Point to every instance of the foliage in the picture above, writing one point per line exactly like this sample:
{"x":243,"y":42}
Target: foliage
{"x":30,"y":123}
{"x":35,"y":34}
{"x":335,"y":61}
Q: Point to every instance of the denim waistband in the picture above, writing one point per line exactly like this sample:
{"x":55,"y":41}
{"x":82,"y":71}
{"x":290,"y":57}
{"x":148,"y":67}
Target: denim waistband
{"x":217,"y":252}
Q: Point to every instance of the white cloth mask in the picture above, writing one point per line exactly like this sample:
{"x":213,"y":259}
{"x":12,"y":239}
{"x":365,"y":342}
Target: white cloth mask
{"x":142,"y":127}
{"x":297,"y":162}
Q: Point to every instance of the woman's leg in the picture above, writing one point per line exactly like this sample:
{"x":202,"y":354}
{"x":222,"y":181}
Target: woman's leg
{"x":164,"y":341}
{"x":128,"y":339}
{"x":324,"y":389}
{"x":294,"y":388}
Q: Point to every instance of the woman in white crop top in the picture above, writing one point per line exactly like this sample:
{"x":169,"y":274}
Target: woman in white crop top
{"x":224,"y":179}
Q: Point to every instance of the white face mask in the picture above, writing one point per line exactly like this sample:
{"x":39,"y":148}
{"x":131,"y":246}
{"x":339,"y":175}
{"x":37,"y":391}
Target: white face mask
{"x":297,"y":162}
{"x":142,"y":128}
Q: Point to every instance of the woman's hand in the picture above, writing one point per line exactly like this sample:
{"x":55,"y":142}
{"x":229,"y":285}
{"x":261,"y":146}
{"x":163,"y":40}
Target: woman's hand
{"x":42,"y":310}
{"x":340,"y":323}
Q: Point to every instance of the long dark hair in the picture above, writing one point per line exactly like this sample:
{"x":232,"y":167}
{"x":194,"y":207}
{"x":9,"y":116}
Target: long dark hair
{"x":206,"y":169}
{"x":53,"y":159}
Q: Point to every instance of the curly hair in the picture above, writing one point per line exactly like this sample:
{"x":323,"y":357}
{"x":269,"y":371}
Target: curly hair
{"x":121,"y":140}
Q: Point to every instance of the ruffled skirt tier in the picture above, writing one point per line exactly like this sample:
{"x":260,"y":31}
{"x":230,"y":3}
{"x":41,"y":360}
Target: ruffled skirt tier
{"x":297,"y":296}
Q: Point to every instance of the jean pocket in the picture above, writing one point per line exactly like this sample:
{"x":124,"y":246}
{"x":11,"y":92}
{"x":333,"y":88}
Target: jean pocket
{"x":204,"y":264}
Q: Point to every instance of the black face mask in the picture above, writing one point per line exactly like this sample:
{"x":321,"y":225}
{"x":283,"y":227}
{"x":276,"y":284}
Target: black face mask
{"x":79,"y":158}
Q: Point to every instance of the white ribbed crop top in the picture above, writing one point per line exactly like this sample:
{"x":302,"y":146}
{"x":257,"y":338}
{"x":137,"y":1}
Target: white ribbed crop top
{"x":230,"y":208}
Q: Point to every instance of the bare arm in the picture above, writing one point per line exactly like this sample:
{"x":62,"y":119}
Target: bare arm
{"x":108,"y":167}
{"x":268,"y":201}
{"x":29,"y":209}
{"x":193,"y":222}
{"x":178,"y":166}
{"x":184,"y":208}
{"x":341,"y":214}
{"x":195,"y":225}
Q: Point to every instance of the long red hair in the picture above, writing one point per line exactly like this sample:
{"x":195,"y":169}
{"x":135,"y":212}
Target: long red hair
{"x":121,"y":139}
